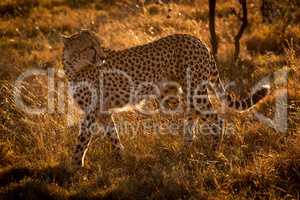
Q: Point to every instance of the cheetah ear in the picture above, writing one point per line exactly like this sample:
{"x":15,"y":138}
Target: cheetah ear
{"x":65,"y":38}
{"x":87,"y":32}
{"x":101,"y":54}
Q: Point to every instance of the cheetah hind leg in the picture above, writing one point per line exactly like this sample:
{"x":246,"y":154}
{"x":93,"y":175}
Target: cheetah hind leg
{"x":213,"y":126}
{"x":189,"y":126}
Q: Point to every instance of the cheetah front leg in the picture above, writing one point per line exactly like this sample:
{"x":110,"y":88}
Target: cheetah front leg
{"x":83,"y":140}
{"x":111,"y":132}
{"x":86,"y":132}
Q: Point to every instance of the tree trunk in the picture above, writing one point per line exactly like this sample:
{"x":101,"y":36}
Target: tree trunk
{"x":212,"y":29}
{"x":242,"y":29}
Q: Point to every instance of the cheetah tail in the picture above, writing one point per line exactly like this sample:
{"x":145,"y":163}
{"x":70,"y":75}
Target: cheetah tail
{"x":241,"y":104}
{"x":249,"y":101}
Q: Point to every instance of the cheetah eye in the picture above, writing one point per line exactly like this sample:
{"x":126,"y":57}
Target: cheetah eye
{"x":87,"y":52}
{"x":87,"y":49}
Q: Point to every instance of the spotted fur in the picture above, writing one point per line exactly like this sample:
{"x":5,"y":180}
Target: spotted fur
{"x":181,"y":59}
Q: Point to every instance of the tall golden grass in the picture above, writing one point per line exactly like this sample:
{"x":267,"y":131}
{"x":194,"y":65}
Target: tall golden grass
{"x":254,"y":162}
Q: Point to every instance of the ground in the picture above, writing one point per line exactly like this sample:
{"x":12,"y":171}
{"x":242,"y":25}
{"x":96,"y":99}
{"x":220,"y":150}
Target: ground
{"x":255,"y":160}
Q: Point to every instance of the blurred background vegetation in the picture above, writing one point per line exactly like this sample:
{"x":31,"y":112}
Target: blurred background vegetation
{"x":255,"y":161}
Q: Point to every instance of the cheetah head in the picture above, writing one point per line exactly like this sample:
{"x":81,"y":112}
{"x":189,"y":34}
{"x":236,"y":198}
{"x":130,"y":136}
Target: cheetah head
{"x":81,"y":49}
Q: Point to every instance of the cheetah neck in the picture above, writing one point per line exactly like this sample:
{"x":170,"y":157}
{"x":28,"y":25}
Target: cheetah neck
{"x":69,"y":70}
{"x":106,"y":53}
{"x":71,"y":73}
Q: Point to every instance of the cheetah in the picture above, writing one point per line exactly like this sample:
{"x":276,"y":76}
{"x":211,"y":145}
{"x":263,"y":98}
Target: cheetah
{"x":103,"y":80}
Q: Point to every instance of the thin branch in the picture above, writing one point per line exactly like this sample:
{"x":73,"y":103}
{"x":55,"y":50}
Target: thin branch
{"x":212,"y":29}
{"x":242,"y":29}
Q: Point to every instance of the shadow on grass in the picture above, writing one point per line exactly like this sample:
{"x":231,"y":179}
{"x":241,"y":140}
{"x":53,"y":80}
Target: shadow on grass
{"x":58,"y":175}
{"x":30,"y":190}
{"x":27,"y":183}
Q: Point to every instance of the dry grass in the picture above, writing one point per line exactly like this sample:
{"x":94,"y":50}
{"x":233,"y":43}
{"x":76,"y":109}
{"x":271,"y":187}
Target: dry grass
{"x":272,"y":39}
{"x":254,"y":162}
